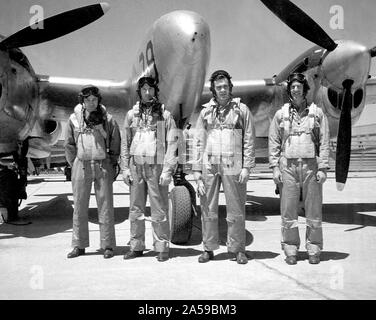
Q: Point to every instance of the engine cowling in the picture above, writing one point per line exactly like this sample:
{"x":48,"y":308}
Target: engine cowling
{"x":331,"y":102}
{"x":44,"y":135}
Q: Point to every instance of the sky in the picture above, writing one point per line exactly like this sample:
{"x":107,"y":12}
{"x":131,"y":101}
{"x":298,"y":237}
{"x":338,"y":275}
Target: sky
{"x":246,"y":38}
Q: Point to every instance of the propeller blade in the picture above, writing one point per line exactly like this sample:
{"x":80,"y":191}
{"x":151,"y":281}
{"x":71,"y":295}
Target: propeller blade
{"x":300,"y":22}
{"x":55,"y":26}
{"x":344,"y":137}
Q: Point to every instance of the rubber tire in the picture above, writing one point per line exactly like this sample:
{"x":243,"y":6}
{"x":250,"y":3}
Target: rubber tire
{"x":180,"y":215}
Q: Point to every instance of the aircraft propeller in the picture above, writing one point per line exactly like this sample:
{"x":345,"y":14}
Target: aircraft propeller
{"x":302,"y":24}
{"x":343,"y":150}
{"x":55,"y":26}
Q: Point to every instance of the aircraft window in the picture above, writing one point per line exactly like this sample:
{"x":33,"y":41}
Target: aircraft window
{"x":50,"y":125}
{"x":301,"y":68}
{"x":333,"y":98}
{"x":358,"y":97}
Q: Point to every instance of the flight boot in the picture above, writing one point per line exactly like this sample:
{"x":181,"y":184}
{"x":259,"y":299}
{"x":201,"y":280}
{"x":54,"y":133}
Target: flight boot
{"x":163,"y":256}
{"x":206,"y":256}
{"x":108,"y":253}
{"x":132,"y":254}
{"x":76,"y":252}
{"x":291,"y":260}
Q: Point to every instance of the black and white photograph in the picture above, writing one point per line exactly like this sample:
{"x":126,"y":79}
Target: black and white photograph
{"x":187,"y":156}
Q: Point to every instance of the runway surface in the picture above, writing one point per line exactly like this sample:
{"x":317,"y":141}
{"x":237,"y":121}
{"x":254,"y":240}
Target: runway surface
{"x":33,"y":263}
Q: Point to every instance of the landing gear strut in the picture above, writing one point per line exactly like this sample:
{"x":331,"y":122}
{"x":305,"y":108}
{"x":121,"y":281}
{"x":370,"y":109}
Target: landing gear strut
{"x":68,"y":172}
{"x":13,"y":184}
{"x":8,"y":194}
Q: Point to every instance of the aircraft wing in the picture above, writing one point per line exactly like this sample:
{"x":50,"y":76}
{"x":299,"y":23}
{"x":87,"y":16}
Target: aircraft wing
{"x":59,"y":95}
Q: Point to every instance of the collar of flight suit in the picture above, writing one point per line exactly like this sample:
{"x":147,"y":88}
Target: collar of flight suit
{"x":294,"y":111}
{"x":214,"y":103}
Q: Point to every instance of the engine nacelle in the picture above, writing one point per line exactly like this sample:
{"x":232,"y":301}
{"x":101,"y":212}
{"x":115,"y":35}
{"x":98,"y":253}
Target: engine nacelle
{"x":44,"y":135}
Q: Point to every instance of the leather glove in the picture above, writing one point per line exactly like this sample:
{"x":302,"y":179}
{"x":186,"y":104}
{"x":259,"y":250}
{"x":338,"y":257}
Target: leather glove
{"x":200,"y":183}
{"x":127,"y":177}
{"x":277,"y":175}
{"x":165,"y":179}
{"x":321,"y":176}
{"x":244,"y":175}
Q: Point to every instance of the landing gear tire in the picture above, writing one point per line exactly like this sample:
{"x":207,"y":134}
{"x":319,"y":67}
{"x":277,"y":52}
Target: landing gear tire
{"x":180,"y":215}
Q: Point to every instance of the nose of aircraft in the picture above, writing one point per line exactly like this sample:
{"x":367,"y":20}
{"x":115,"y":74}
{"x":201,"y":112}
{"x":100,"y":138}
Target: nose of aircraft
{"x":184,"y":27}
{"x":182,"y":50}
{"x":350,"y":60}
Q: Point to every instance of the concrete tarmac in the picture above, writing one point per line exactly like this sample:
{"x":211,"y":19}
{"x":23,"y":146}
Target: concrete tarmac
{"x":33,"y":262}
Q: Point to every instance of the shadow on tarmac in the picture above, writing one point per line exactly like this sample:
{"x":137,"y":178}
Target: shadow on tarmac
{"x":120,"y":215}
{"x":55,"y":216}
{"x":352,"y":213}
{"x":71,"y":194}
{"x":35,"y":181}
{"x":47,"y":217}
{"x":51,"y":217}
{"x":175,"y":253}
{"x":258,"y":208}
{"x":324,"y":255}
{"x":252,"y":255}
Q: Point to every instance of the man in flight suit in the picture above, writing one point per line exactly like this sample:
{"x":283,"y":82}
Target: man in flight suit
{"x":92,"y":148}
{"x":148,"y":161}
{"x":224,"y":146}
{"x":298,"y":155}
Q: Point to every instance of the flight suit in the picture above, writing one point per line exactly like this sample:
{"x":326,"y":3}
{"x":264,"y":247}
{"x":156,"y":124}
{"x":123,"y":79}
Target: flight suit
{"x":299,"y":145}
{"x":93,"y":158}
{"x":223,"y":145}
{"x":148,"y":147}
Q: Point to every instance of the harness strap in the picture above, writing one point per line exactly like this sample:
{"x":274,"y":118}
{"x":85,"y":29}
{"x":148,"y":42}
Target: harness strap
{"x":213,"y":113}
{"x":312,"y":113}
{"x":136,"y":116}
{"x":78,"y":120}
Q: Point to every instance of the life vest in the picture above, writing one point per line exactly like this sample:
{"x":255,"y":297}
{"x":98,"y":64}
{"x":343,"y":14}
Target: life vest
{"x":299,"y":139}
{"x":224,"y":139}
{"x":146,"y":133}
{"x":90,"y":143}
